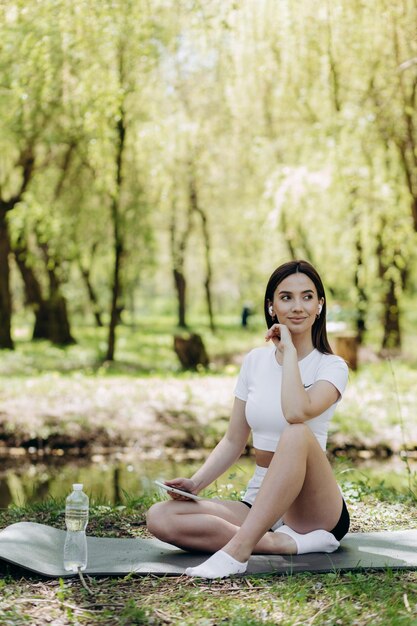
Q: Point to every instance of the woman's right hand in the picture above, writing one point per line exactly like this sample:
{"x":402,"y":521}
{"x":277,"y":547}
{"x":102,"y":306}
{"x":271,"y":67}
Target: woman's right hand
{"x":280,"y":336}
{"x":185,"y":484}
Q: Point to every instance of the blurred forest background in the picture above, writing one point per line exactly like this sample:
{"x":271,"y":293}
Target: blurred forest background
{"x":158,"y":159}
{"x":162,"y":157}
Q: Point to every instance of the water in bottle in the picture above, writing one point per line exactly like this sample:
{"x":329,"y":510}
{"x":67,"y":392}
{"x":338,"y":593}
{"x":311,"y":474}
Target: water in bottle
{"x":76,"y":520}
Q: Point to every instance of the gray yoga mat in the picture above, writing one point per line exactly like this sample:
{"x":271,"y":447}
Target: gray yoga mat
{"x":39,"y":548}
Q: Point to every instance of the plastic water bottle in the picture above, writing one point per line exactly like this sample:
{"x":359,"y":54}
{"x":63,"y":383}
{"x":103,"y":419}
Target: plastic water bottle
{"x":76,"y":520}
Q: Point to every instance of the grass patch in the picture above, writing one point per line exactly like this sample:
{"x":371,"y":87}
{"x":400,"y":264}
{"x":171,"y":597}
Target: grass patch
{"x":351,"y":598}
{"x":379,"y":404}
{"x":145,"y":349}
{"x":50,"y":390}
{"x":302,"y":599}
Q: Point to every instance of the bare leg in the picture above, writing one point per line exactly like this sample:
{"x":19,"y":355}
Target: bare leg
{"x":207,"y":526}
{"x":298,"y":485}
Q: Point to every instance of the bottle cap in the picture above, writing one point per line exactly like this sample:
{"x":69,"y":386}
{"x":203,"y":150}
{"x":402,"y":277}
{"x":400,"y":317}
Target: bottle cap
{"x":77,"y":486}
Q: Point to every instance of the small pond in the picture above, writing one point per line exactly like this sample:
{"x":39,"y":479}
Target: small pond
{"x":108,"y":478}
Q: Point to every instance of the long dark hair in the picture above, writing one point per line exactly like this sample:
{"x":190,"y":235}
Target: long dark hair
{"x":319,"y":332}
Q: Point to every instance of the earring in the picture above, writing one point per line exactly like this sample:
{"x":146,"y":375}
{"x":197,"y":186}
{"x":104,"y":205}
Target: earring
{"x":271,"y":311}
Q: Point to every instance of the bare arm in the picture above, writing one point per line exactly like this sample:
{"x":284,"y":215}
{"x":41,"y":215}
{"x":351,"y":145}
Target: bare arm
{"x":299,"y":404}
{"x":227,"y":451}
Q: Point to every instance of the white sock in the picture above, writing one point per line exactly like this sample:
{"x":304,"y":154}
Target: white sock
{"x":315,"y":541}
{"x":219,"y":565}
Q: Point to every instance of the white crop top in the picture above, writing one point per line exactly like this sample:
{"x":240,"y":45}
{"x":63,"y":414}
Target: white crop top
{"x":259,"y":385}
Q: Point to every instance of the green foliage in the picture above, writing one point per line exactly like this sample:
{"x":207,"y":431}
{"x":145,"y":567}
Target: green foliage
{"x":132,"y":614}
{"x":298,"y":134}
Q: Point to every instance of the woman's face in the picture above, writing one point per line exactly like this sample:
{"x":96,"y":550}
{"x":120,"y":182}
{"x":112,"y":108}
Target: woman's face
{"x":296,"y":303}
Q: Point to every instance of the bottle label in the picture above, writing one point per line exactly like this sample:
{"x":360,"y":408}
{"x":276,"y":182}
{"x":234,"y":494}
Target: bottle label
{"x":76,"y":520}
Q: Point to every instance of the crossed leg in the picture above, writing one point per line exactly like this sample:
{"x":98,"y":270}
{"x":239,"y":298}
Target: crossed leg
{"x":299,"y":486}
{"x":207,"y":525}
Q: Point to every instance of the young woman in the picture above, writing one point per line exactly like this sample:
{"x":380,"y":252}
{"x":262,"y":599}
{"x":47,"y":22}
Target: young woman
{"x":286,"y":395}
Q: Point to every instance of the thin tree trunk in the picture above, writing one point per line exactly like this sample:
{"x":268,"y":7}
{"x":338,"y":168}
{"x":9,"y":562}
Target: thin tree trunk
{"x":116,"y":289}
{"x":85,"y":273}
{"x":209,"y":300}
{"x":391,"y":320}
{"x":181,"y":289}
{"x":178,"y":249}
{"x":362,"y":298}
{"x":362,"y":302}
{"x":5,"y":296}
{"x":391,"y":314}
{"x":117,"y":234}
{"x":207,"y":249}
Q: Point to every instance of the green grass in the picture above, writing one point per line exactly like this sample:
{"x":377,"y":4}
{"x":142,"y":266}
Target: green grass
{"x":364,"y":598}
{"x":379,"y":406}
{"x":351,"y":598}
{"x":144,"y":349}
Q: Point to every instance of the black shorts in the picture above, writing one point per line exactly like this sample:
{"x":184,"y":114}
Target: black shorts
{"x":342,"y":526}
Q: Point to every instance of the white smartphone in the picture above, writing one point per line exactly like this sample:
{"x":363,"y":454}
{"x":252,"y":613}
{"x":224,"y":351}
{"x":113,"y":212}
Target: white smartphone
{"x":180,"y":492}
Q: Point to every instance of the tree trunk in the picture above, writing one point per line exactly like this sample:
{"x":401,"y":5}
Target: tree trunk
{"x":42,"y":326}
{"x":391,"y":322}
{"x":391,"y":316}
{"x":51,"y":317}
{"x":117,"y":234}
{"x":85,"y":273}
{"x":209,"y":300}
{"x":178,"y":243}
{"x":195,"y":205}
{"x":33,"y":293}
{"x":5,"y":297}
{"x":362,"y":298}
{"x":53,"y":322}
{"x":114,"y":309}
{"x":181,"y":288}
{"x":59,"y":326}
